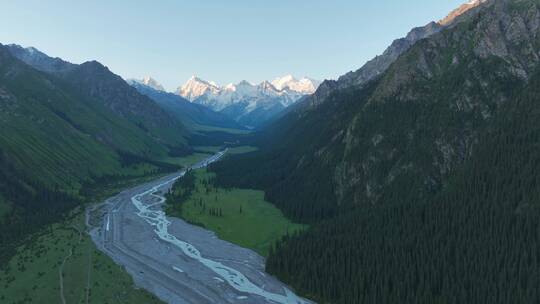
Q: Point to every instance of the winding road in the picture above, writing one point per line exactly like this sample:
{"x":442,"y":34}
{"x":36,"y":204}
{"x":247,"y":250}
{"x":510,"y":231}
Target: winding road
{"x":176,"y":261}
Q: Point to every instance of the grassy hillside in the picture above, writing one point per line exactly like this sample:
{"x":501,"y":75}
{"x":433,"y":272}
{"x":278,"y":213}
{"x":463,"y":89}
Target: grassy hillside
{"x":94,"y":80}
{"x":88,"y":276}
{"x":48,"y":128}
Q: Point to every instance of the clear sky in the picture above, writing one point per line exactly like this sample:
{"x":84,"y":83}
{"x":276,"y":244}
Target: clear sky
{"x":225,"y":41}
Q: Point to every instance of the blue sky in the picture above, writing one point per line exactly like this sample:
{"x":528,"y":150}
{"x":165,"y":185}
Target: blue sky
{"x":225,"y":41}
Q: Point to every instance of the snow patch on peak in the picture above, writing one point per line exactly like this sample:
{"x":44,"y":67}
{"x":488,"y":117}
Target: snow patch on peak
{"x":460,"y":11}
{"x":147,"y":81}
{"x":151,"y":82}
{"x":196,"y":87}
{"x":230,"y":87}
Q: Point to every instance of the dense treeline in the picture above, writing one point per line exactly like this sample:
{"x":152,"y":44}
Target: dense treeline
{"x":130,"y":159}
{"x":181,"y":191}
{"x":217,"y":138}
{"x":180,"y":151}
{"x":274,"y":177}
{"x":476,"y":241}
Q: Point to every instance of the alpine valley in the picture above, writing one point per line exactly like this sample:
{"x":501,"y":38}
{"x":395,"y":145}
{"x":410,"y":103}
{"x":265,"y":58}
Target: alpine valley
{"x":412,"y":179}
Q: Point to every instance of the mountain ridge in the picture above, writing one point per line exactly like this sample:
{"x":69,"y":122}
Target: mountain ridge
{"x":193,"y":115}
{"x":147,"y":81}
{"x":380,"y":63}
{"x":247,"y":103}
{"x":96,"y":81}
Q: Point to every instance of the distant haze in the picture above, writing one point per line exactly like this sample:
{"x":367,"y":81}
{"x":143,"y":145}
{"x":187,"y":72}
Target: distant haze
{"x":222,"y":41}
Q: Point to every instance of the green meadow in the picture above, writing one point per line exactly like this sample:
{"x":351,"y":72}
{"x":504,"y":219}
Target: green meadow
{"x":240,"y":216}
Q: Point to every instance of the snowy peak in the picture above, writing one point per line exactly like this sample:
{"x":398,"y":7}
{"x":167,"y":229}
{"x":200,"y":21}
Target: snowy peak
{"x":282,"y":82}
{"x":268,"y":87}
{"x":149,"y":82}
{"x":283,"y":91}
{"x":303,"y":86}
{"x":460,"y":11}
{"x":196,"y":87}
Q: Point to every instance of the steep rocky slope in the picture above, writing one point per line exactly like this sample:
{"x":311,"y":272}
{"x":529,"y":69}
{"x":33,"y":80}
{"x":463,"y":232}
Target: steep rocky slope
{"x":378,"y":65}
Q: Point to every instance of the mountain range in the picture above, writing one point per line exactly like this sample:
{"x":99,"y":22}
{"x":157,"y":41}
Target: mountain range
{"x":195,"y":116}
{"x":248,"y":104}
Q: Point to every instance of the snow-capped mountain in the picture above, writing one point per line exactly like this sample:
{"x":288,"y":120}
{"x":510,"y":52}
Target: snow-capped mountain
{"x":149,"y":82}
{"x":305,"y":85}
{"x":241,"y":99}
{"x":247,"y":103}
{"x":196,"y":87}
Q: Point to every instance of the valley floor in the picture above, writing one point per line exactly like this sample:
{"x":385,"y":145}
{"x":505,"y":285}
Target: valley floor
{"x":240,"y":216}
{"x":61,"y":264}
{"x":179,"y":262}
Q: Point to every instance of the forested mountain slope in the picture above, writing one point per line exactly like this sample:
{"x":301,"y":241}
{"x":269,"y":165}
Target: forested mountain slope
{"x":475,"y":241}
{"x":412,"y":180}
{"x":421,"y":118}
